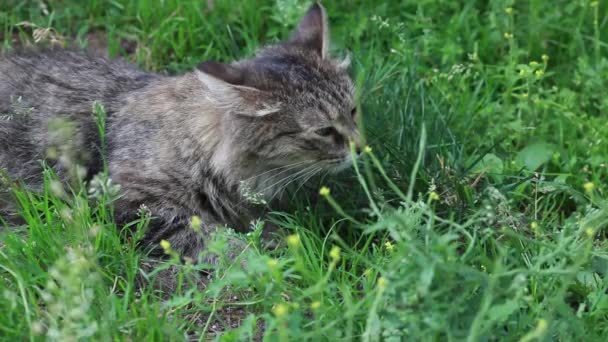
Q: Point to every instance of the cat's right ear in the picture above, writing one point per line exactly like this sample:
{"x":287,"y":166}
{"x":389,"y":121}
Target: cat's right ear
{"x":229,"y":88}
{"x":213,"y":72}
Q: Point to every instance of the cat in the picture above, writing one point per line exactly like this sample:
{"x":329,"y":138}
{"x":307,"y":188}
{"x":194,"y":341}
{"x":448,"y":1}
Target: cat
{"x":187,"y":145}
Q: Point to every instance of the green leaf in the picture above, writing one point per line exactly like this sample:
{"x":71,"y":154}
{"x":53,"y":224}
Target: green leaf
{"x":500,"y":312}
{"x":535,"y":155}
{"x":426,"y":278}
{"x":490,"y":164}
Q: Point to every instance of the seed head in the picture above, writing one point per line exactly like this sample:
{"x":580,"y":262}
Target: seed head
{"x":272,"y":263}
{"x":280,"y":310}
{"x":382,"y":282}
{"x":589,"y":187}
{"x":294,"y":240}
{"x":335,"y":253}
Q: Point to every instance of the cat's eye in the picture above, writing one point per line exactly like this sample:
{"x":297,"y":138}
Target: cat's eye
{"x":326,"y":132}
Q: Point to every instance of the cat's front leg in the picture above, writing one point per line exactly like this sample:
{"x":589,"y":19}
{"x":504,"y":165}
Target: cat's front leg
{"x":175,"y":225}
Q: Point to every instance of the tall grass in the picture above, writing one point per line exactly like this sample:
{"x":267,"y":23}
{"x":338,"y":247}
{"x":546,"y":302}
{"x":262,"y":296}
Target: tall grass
{"x":477,"y":212}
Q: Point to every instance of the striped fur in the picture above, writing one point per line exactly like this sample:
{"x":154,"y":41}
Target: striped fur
{"x":183,"y":145}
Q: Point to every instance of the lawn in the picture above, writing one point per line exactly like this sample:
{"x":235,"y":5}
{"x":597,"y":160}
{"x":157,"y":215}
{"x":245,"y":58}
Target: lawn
{"x":477,"y":212}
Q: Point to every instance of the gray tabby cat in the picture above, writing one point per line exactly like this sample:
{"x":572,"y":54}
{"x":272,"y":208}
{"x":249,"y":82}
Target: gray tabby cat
{"x":190,"y":144}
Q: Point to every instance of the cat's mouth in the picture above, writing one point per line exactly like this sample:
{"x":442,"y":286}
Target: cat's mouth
{"x":336,"y":165}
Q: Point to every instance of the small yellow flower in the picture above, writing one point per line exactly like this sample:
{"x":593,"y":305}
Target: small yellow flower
{"x":589,"y":186}
{"x":382,"y":282}
{"x":434,"y":196}
{"x":534,"y":225}
{"x":590,"y":232}
{"x":367,"y":272}
{"x":525,"y":95}
{"x":280,"y":310}
{"x":542,"y":325}
{"x":335,"y":253}
{"x":539,"y":73}
{"x":509,"y":10}
{"x":533,"y":63}
{"x":367,"y":149}
{"x":315,"y":305}
{"x":195,"y":223}
{"x":324,"y":191}
{"x":293,"y":240}
{"x":166,"y":245}
{"x":545,"y":58}
{"x":389,"y":246}
{"x":272,"y":263}
{"x":508,"y":35}
{"x":522,"y":72}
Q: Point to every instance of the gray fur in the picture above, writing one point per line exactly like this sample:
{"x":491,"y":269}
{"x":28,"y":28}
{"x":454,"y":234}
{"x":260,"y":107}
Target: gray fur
{"x":184,"y":145}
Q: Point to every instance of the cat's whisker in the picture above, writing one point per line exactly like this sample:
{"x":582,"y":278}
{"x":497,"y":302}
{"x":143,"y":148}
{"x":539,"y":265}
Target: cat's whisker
{"x":305,"y":177}
{"x":273,"y":177}
{"x":278,"y":168}
{"x":253,"y":184}
{"x":312,"y":174}
{"x":280,"y":185}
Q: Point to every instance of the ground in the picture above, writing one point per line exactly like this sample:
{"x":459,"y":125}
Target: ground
{"x":478,"y":211}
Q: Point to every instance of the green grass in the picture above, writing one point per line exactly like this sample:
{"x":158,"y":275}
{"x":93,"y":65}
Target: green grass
{"x":491,"y":226}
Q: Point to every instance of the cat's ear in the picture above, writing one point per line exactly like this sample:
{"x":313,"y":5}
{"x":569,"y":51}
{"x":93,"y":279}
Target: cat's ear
{"x":313,"y":31}
{"x":223,"y":79}
{"x":220,"y":72}
{"x":229,"y":88}
{"x":222,"y":82}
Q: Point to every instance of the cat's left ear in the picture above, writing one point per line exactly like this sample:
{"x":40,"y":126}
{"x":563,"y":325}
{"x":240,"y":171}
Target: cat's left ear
{"x":313,"y":31}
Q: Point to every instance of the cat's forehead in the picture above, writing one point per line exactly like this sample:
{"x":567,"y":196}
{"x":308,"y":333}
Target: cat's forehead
{"x":320,"y":86}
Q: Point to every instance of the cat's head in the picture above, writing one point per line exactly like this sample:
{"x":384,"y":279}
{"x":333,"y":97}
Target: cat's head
{"x":292,"y":103}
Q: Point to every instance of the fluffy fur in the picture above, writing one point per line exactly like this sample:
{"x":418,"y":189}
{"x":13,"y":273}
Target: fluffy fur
{"x":189,"y":144}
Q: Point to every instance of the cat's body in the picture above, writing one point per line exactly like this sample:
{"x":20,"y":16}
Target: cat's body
{"x":184,"y":145}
